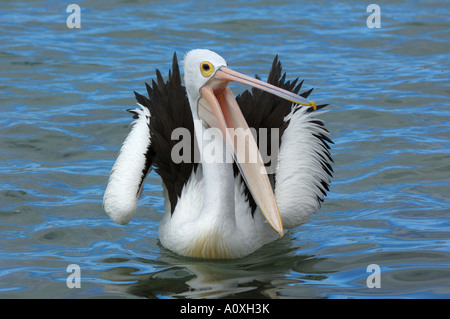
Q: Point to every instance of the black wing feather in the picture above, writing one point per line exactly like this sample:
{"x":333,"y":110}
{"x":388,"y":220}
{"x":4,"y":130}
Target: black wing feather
{"x":169,"y":109}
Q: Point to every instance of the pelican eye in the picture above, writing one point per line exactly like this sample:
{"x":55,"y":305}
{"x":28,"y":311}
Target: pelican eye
{"x":206,"y":68}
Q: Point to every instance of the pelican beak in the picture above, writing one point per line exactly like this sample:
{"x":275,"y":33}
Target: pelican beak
{"x":218,"y":108}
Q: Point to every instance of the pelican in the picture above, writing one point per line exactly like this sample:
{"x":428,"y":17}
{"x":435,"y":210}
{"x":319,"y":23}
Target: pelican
{"x":217,"y":208}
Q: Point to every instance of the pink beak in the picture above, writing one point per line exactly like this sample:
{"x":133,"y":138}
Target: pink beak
{"x":218,"y":108}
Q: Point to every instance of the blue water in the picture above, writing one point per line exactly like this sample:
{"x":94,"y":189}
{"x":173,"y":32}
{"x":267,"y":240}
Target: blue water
{"x":64,"y":95}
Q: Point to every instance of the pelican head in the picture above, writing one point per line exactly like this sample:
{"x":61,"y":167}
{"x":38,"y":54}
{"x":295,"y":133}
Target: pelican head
{"x":199,"y":67}
{"x":206,"y":79}
{"x":205,"y":69}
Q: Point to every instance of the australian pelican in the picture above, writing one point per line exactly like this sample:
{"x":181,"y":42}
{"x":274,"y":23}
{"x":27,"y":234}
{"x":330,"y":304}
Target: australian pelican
{"x":216,"y":208}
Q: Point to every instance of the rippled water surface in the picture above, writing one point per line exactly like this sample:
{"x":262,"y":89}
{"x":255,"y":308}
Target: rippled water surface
{"x":64,"y":95}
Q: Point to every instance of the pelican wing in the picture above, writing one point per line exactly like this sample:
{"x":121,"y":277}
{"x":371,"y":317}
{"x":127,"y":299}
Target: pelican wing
{"x":304,"y":168}
{"x":150,"y":143}
{"x":131,"y":167}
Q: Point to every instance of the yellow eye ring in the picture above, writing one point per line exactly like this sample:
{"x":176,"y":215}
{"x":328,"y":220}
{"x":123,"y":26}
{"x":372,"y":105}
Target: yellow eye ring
{"x":206,"y":68}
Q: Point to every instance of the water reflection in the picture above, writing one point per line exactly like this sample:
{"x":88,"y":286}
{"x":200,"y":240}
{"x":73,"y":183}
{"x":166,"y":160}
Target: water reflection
{"x":256,"y":275}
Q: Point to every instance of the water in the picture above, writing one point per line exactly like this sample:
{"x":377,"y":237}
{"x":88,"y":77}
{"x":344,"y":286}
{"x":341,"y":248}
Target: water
{"x":63,"y":98}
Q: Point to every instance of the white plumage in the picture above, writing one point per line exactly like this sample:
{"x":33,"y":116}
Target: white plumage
{"x":299,"y":170}
{"x":123,"y":190}
{"x":296,"y":191}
